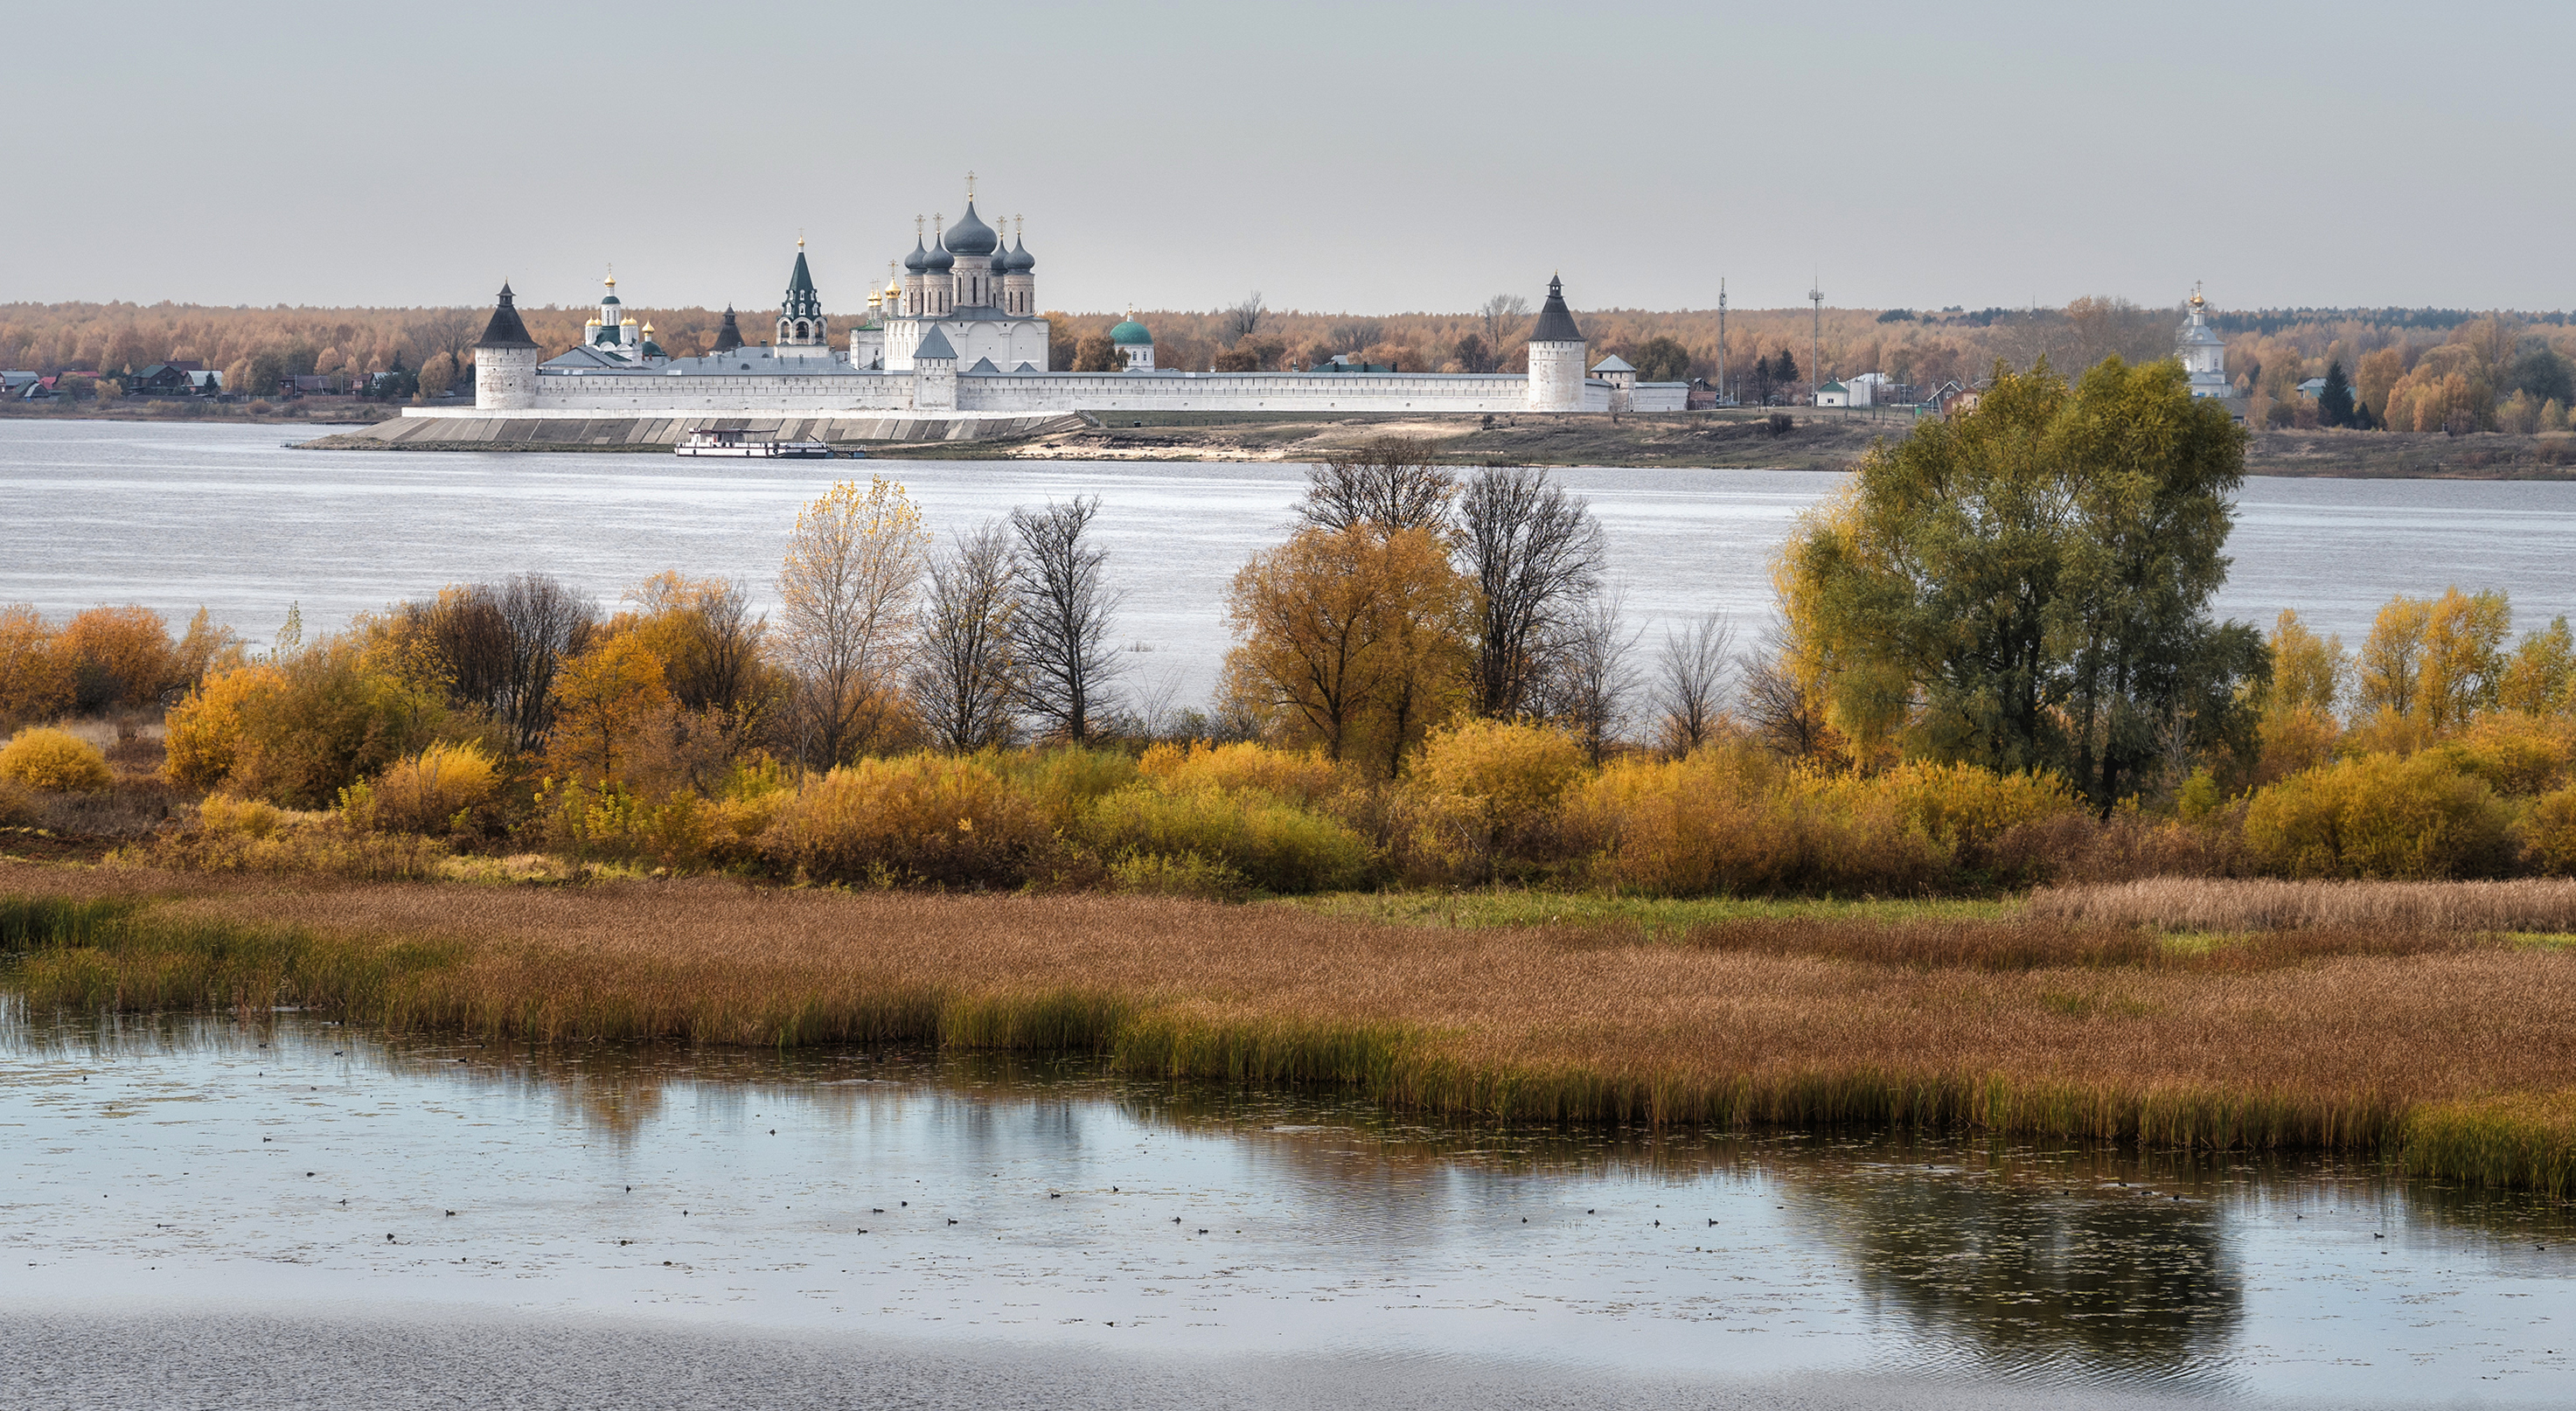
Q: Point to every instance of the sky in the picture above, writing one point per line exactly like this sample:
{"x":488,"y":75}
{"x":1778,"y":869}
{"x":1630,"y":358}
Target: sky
{"x":1372,"y":158}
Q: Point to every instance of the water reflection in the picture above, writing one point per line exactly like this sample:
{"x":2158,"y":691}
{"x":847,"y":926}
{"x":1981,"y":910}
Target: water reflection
{"x":1048,"y":1199}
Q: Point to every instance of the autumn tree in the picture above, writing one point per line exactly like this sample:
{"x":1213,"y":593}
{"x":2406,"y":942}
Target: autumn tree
{"x":1242,"y":319}
{"x":2540,"y":677}
{"x":37,"y":678}
{"x":604,"y":699}
{"x":1349,"y":639}
{"x":437,"y":375}
{"x":122,"y":658}
{"x":709,"y":640}
{"x":1536,"y":555}
{"x":1095,"y":353}
{"x":1061,"y":615}
{"x":2038,"y":574}
{"x":2389,"y":668}
{"x":963,"y":677}
{"x":1595,"y":677}
{"x":2463,"y":657}
{"x":853,"y":566}
{"x":542,"y":620}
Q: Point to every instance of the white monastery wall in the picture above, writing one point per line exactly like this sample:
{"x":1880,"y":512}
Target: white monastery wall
{"x":1243,"y":392}
{"x":636,"y":392}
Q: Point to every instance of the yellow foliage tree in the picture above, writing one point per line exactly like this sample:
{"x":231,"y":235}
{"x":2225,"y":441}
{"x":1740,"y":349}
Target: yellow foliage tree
{"x":123,"y":657}
{"x":2540,"y":677}
{"x":2463,"y":660}
{"x":35,"y":674}
{"x":603,"y":700}
{"x":1352,"y":641}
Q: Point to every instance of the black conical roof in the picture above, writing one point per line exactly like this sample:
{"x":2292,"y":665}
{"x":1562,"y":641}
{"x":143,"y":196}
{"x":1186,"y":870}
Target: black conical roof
{"x":506,"y":330}
{"x":728,"y":337}
{"x":1555,"y":320}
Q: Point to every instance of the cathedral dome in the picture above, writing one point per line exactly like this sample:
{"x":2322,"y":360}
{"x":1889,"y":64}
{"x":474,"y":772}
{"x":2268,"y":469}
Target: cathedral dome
{"x":1021,"y":260}
{"x":970,"y":236}
{"x":938,"y":260}
{"x":1130,"y":332}
{"x":919,"y":259}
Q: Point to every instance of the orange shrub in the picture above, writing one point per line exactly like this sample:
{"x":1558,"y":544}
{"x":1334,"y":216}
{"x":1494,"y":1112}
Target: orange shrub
{"x":121,"y":657}
{"x":202,"y":734}
{"x":424,"y":793}
{"x":35,"y":674}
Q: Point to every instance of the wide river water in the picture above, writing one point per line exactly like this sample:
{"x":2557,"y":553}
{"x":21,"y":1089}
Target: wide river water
{"x":217,"y":1212}
{"x":178,"y":515}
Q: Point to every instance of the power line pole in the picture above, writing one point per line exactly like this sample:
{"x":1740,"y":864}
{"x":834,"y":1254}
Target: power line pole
{"x":1721,"y":338}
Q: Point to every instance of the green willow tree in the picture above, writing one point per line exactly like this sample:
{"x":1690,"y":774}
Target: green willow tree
{"x":2028,"y":586}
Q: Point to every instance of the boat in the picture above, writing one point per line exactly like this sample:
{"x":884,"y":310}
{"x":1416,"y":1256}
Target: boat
{"x":729,"y":441}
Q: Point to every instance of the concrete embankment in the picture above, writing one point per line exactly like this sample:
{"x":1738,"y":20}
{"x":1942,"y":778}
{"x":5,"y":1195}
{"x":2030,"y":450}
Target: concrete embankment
{"x":502,"y":433}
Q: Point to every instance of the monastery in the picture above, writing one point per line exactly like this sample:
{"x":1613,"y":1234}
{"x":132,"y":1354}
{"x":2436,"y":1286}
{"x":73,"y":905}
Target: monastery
{"x":957,"y":337}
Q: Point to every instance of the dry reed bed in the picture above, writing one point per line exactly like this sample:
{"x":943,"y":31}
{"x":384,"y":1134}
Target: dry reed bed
{"x":2355,"y":1052}
{"x":2211,"y":904}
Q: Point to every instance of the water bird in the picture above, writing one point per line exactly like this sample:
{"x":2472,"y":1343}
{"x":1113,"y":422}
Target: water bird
{"x":451,"y":1212}
{"x":620,"y":1244}
{"x":876,"y":1210}
{"x":2377,"y":1236}
{"x":1712,"y":1222}
{"x":1055,"y":1195}
{"x":308,"y":1173}
{"x":1176,"y":1219}
{"x":1591,"y":1212}
{"x":389,"y":1239}
{"x":773,"y":1131}
{"x":952,"y":1222}
{"x":1202,"y":1232}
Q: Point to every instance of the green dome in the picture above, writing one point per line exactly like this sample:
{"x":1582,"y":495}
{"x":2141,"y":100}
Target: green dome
{"x":1130,"y":332}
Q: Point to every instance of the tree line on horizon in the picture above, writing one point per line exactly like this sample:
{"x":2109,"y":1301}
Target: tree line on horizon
{"x":2405,"y":370}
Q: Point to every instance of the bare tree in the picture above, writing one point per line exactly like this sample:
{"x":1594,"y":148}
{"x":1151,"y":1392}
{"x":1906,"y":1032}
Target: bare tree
{"x":1060,"y":619}
{"x":962,"y":677}
{"x":1502,"y":315}
{"x":547,"y":620}
{"x":1596,"y":675}
{"x":1391,"y":482}
{"x":1242,"y":320}
{"x":1785,"y":715}
{"x":1536,"y":554}
{"x":727,"y":649}
{"x":1690,"y":682}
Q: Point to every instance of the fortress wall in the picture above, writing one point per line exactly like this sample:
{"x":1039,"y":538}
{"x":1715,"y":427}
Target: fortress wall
{"x":1244,"y":392}
{"x":526,"y":431}
{"x":640,"y":392}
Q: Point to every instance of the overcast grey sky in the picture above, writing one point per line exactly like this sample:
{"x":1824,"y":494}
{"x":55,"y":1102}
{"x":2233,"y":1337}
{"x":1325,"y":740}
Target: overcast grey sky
{"x":1369,"y":158}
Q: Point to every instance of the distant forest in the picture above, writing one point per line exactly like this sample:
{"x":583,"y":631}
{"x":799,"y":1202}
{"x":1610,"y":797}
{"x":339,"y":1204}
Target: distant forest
{"x":2406,"y":369}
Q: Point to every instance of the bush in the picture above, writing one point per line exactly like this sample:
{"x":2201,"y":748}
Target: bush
{"x":1065,"y":782}
{"x":2379,"y":816}
{"x":2548,"y":833}
{"x":54,"y":760}
{"x":298,"y":733}
{"x":18,"y":805}
{"x":1155,"y":874}
{"x":250,"y":835}
{"x":1304,"y":776}
{"x":919,"y":819}
{"x":431,"y":792}
{"x":1486,"y":791}
{"x":1962,"y":807}
{"x":2517,"y":755}
{"x":1272,"y":843}
{"x":121,"y":657}
{"x":1735,"y":820}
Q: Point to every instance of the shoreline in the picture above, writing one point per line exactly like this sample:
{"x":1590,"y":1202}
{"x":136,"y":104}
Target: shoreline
{"x":1725,"y":440}
{"x":2452,"y":1056}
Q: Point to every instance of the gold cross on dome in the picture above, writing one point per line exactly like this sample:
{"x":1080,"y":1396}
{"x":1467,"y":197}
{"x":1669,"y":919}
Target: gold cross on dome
{"x":970,"y":186}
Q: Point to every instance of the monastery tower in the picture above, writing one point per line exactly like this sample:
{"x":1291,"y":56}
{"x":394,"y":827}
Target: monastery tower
{"x":1555,"y":356}
{"x":505,"y":361}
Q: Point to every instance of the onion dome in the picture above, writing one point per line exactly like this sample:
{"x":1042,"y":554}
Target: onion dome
{"x":611,"y":296}
{"x":917,"y":261}
{"x":970,"y":236}
{"x":1021,"y":260}
{"x":507,"y":329}
{"x":1130,"y":333}
{"x":940,"y":260}
{"x":1555,"y":320}
{"x":1000,"y":264}
{"x":650,"y":349}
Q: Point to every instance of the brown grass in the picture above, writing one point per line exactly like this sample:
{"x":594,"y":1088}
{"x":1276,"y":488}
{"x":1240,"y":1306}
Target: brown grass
{"x":2203,"y":904}
{"x":2007,"y":1026}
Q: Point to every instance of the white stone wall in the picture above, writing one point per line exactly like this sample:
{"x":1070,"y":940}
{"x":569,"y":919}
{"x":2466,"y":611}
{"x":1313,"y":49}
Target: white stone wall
{"x":644,"y":391}
{"x":1660,"y":397}
{"x":1556,"y":380}
{"x":505,"y":379}
{"x":1243,"y":392}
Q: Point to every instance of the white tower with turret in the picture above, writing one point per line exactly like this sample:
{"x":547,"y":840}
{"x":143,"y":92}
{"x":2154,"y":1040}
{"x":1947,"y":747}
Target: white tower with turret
{"x":2203,"y":353}
{"x":505,"y":361}
{"x":1555,"y":356}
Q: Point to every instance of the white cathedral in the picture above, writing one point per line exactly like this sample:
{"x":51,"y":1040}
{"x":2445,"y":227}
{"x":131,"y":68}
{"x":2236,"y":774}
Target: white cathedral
{"x":958,"y":336}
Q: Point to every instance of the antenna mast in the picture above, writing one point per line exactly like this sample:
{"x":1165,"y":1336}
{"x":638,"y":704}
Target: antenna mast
{"x":1815,"y":342}
{"x":1721,"y":338}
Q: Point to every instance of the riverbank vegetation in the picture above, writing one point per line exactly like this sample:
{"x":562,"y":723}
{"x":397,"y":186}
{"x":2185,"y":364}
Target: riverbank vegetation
{"x":2444,"y":1050}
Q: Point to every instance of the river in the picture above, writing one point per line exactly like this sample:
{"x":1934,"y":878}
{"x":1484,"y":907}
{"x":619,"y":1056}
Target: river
{"x":182,"y":514}
{"x":220,"y":1212}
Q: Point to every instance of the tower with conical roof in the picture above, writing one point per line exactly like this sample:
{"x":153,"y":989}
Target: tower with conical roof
{"x":728,"y":337}
{"x":800,"y":312}
{"x":2203,"y":352}
{"x":505,"y":360}
{"x":1555,"y":356}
